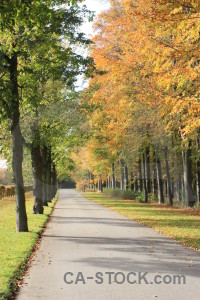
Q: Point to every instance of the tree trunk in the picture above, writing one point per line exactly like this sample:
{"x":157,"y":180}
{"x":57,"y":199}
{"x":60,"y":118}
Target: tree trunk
{"x":172,"y":187}
{"x":154,"y":173}
{"x":198,"y":181}
{"x":37,"y":179}
{"x":122,"y":174}
{"x":100,"y":186}
{"x":166,"y":189}
{"x":187,"y":175}
{"x":17,"y":159}
{"x":132,"y":181}
{"x":147,"y":170}
{"x":168,"y":177}
{"x":140,"y":175}
{"x":49,"y":175}
{"x":109,"y":182}
{"x":144,"y":180}
{"x":198,"y":170}
{"x":125,"y":177}
{"x":136,"y":185}
{"x":113,"y":176}
{"x":159,"y":181}
{"x":54,"y":181}
{"x":172,"y":182}
{"x":89,"y":180}
{"x":44,"y":176}
{"x":178,"y":190}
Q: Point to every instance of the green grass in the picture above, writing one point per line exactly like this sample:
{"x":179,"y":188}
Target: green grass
{"x":16,"y":248}
{"x":180,"y":224}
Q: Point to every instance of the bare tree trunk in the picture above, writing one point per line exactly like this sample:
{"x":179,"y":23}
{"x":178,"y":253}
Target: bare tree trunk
{"x":172,"y":182}
{"x":198,"y":170}
{"x":44,"y":176}
{"x":49,"y":175}
{"x":17,"y":159}
{"x":147,"y":169}
{"x":125,"y":177}
{"x":154,"y":176}
{"x":187,"y":174}
{"x":113,"y":176}
{"x":159,"y":181}
{"x":144,"y":180}
{"x":178,"y":190}
{"x":54,"y":180}
{"x":140,"y":175}
{"x":132,"y":181}
{"x":37,"y":179}
{"x":106,"y":181}
{"x":165,"y":188}
{"x":136,"y":185}
{"x":100,"y":186}
{"x":168,"y":177}
{"x":89,"y":180}
{"x":172,"y":187}
{"x":109,"y":182}
{"x":198,"y":181}
{"x":122,"y":174}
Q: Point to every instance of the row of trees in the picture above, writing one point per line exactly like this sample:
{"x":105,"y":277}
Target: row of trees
{"x":39,"y":63}
{"x":143,"y":103}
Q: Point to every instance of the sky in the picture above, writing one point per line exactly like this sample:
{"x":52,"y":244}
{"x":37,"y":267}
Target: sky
{"x":97,"y":6}
{"x":3,"y":163}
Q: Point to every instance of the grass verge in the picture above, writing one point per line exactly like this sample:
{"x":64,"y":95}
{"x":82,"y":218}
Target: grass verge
{"x":183,"y":225}
{"x":16,"y":248}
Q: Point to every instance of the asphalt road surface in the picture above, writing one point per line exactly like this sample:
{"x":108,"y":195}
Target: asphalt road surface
{"x":89,"y":252}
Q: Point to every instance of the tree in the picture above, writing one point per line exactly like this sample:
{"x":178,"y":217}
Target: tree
{"x":143,"y":98}
{"x":26,"y":28}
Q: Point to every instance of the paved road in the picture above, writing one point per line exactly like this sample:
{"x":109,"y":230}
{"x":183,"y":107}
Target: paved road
{"x":85,"y":238}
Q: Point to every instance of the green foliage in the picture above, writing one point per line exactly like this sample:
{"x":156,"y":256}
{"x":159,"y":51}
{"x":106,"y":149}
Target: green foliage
{"x":46,"y":39}
{"x":5,"y":143}
{"x":140,"y":197}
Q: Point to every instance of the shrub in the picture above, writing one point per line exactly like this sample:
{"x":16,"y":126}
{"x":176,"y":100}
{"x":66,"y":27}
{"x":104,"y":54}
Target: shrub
{"x":2,"y":191}
{"x":124,"y":194}
{"x":153,"y":198}
{"x":28,"y":188}
{"x":9,"y":191}
{"x":140,"y":197}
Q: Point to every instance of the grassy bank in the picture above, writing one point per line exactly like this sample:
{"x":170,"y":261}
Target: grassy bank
{"x":15,"y":248}
{"x":180,"y":224}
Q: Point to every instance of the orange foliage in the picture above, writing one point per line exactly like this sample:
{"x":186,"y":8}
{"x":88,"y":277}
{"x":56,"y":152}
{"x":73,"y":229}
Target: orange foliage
{"x":147,"y":55}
